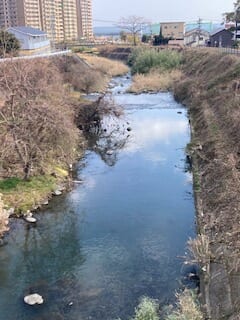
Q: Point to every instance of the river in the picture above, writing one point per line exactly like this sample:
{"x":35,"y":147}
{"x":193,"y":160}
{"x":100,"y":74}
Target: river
{"x":117,"y":236}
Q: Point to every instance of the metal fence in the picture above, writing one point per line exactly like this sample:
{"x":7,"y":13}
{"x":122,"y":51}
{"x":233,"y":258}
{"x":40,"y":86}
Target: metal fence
{"x":227,"y":50}
{"x":42,"y":55}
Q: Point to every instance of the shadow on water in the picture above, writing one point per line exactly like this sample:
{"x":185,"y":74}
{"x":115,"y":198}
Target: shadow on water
{"x":119,"y":234}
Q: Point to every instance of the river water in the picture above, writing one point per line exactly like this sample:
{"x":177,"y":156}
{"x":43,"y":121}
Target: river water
{"x":118,"y":235}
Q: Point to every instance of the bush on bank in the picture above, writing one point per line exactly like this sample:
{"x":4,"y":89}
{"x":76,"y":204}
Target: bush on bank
{"x":142,"y":60}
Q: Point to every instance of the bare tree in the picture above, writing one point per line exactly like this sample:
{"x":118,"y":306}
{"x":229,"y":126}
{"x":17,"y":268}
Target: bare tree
{"x":36,"y":125}
{"x":134,"y":25}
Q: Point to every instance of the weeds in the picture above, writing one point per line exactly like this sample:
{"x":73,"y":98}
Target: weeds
{"x":187,"y":307}
{"x":196,"y":181}
{"x":146,"y":310}
{"x":143,"y":60}
{"x":106,"y":66}
{"x":154,"y":81}
{"x":199,"y":249}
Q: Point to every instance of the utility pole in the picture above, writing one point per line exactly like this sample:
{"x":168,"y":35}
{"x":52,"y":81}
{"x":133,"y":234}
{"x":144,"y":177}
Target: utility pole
{"x":237,"y":13}
{"x":199,"y":22}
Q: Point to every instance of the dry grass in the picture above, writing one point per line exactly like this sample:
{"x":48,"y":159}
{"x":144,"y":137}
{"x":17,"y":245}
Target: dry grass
{"x":199,"y":249}
{"x":3,"y":218}
{"x":154,"y":81}
{"x":112,"y":68}
{"x":187,"y":307}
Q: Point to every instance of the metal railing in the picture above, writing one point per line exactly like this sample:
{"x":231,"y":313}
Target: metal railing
{"x":225,"y":50}
{"x":41,"y":55}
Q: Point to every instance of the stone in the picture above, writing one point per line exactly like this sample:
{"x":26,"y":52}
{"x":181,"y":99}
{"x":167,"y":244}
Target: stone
{"x":61,"y":188}
{"x":45,"y":203}
{"x":30,"y":219}
{"x":109,"y":152}
{"x":78,"y":181}
{"x":33,"y":299}
{"x":57,"y":193}
{"x":10,"y":211}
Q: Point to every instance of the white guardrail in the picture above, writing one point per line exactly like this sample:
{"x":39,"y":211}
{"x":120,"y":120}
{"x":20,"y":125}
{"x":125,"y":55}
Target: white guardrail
{"x":42,"y":55}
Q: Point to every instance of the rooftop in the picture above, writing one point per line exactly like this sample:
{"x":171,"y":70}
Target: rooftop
{"x":28,"y":30}
{"x":218,"y":30}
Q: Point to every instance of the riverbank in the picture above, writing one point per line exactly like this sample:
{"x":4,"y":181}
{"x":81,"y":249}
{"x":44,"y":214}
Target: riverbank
{"x":210,"y":90}
{"x":39,"y":150}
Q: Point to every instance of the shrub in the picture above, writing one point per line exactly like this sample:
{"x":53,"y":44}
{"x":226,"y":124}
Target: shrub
{"x":9,"y":44}
{"x":143,"y":60}
{"x":146,"y":310}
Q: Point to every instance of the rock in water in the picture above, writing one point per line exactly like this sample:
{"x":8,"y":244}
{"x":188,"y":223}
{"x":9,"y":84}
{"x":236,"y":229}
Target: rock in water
{"x":30,"y":219}
{"x":33,"y":299}
{"x":57,"y":193}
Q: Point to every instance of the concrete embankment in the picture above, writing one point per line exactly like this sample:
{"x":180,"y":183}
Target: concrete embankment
{"x":211,"y":90}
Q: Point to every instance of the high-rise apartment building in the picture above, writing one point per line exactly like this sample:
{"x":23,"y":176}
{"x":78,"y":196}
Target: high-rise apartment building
{"x":85,"y":26}
{"x":8,"y":13}
{"x":63,"y":20}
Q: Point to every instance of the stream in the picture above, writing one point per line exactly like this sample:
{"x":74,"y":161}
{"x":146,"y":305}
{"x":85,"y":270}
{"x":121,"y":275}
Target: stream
{"x":117,"y":236}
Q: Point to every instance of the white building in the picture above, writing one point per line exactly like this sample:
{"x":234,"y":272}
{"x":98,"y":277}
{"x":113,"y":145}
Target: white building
{"x":30,"y":38}
{"x":196,"y":37}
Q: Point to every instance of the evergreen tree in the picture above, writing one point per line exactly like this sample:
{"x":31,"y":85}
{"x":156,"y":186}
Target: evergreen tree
{"x":9,"y":44}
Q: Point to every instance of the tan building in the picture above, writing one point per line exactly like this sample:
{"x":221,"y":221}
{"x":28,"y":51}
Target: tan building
{"x":174,"y":30}
{"x":63,"y":20}
{"x":8,"y":13}
{"x":85,"y":26}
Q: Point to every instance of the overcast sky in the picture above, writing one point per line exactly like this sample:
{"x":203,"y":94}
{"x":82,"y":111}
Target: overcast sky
{"x":160,"y":10}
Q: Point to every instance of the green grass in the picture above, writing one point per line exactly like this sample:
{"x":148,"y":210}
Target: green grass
{"x":24,"y":195}
{"x":9,"y":184}
{"x":143,"y":60}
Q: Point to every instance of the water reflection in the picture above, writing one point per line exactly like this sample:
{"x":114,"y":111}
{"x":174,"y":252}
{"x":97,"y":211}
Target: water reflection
{"x":152,"y":128}
{"x":110,"y":140}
